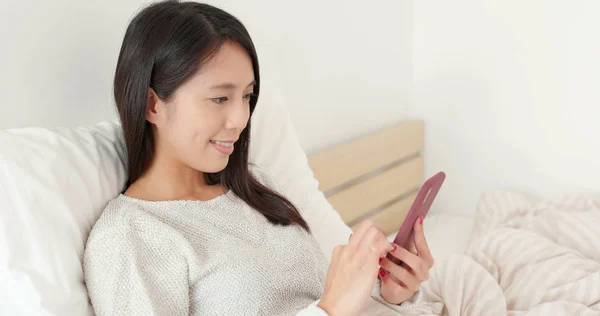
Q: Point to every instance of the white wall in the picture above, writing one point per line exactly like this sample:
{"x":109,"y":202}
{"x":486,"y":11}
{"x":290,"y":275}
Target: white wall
{"x":509,"y":89}
{"x":345,"y":65}
{"x":345,"y":70}
{"x":57,"y":60}
{"x":510,"y":94}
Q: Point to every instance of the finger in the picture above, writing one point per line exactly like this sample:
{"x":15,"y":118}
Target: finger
{"x":405,"y":276}
{"x":421,"y":243}
{"x":371,"y":224}
{"x":356,"y":237}
{"x":363,"y":244}
{"x":374,"y":233}
{"x":373,"y":246}
{"x":363,"y":228}
{"x":413,"y":247}
{"x":335,"y":254}
{"x":394,"y":290}
{"x":412,"y":261}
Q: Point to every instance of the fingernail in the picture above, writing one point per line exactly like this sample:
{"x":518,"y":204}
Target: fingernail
{"x":394,"y":247}
{"x":382,"y":273}
{"x":350,"y":237}
{"x":421,"y":220}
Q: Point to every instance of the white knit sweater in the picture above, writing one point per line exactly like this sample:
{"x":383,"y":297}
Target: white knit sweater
{"x":216,"y":257}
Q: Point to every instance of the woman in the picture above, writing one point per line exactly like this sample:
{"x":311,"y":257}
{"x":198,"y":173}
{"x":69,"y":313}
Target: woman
{"x":196,"y":231}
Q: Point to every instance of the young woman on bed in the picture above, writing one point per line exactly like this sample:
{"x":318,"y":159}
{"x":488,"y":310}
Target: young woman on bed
{"x":196,"y":232}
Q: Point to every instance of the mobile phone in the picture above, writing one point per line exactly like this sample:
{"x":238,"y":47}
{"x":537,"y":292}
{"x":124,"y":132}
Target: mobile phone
{"x":420,"y":207}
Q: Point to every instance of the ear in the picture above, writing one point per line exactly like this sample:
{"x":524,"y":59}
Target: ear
{"x":154,"y":108}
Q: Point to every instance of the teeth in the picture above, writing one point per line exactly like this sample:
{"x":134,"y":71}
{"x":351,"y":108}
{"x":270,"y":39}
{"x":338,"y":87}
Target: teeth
{"x":224,"y":144}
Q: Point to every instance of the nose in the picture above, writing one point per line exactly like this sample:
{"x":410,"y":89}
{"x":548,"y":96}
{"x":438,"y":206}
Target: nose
{"x":237,"y":116}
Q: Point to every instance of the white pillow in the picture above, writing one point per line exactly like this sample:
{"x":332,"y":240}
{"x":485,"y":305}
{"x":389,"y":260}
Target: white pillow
{"x":54,"y":183}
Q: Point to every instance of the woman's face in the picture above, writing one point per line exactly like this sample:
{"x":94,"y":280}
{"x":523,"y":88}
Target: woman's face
{"x":200,"y":125}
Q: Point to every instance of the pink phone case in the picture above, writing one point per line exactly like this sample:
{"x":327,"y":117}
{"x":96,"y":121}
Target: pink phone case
{"x":420,"y":207}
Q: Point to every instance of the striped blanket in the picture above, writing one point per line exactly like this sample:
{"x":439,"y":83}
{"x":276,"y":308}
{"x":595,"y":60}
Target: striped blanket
{"x":524,"y":258}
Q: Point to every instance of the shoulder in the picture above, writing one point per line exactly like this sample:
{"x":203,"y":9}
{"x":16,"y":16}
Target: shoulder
{"x":132,"y":256}
{"x":119,"y":218}
{"x":126,"y":235}
{"x":124,"y":225}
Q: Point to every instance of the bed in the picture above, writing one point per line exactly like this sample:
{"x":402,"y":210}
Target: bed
{"x":377,"y":176}
{"x":516,"y":256}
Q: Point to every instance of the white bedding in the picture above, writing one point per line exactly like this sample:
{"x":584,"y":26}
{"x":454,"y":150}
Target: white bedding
{"x":523,"y":258}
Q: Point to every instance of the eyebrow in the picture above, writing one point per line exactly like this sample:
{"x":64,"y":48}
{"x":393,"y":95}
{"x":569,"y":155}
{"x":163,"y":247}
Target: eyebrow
{"x":229,"y":85}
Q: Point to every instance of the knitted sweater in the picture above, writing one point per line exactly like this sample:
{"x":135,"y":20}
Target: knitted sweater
{"x":216,"y":257}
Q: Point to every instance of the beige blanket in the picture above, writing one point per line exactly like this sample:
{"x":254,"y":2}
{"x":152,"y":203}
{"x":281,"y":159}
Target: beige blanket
{"x":525,"y":257}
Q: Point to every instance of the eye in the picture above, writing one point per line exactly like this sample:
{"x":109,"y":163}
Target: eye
{"x":249,"y":96}
{"x":219,"y":100}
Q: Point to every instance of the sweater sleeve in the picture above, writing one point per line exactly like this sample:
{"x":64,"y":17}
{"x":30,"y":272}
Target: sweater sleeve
{"x":312,"y":310}
{"x":406,"y":305}
{"x":135,"y":271}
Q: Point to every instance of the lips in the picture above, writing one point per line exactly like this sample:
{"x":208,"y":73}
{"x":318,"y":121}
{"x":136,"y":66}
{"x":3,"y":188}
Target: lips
{"x":223,"y":143}
{"x":224,"y":147}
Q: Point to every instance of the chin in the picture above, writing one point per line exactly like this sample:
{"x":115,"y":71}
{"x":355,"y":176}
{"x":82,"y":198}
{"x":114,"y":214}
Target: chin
{"x":216,"y":166}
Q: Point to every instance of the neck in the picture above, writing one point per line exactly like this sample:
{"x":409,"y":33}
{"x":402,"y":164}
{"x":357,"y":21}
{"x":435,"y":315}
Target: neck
{"x":170,"y":179}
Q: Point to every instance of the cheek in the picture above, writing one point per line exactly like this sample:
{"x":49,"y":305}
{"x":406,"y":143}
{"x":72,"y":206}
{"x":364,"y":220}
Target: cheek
{"x":193,"y":129}
{"x":193,"y":133}
{"x":190,"y":137}
{"x":181,"y":128}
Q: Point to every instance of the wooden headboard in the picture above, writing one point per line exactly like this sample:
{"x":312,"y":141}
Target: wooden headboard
{"x":375,"y":176}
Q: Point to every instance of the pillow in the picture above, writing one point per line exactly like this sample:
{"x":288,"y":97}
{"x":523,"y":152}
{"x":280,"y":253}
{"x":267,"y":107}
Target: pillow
{"x":54,"y":184}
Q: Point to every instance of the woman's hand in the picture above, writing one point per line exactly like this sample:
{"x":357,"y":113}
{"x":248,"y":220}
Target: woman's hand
{"x":353,"y":271}
{"x":400,"y":282}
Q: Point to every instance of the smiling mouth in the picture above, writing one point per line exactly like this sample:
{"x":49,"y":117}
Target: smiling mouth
{"x":224,"y":147}
{"x":224,"y":144}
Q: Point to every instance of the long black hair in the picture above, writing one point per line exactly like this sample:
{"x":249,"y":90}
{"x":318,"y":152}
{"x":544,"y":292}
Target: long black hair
{"x":164,"y":45}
